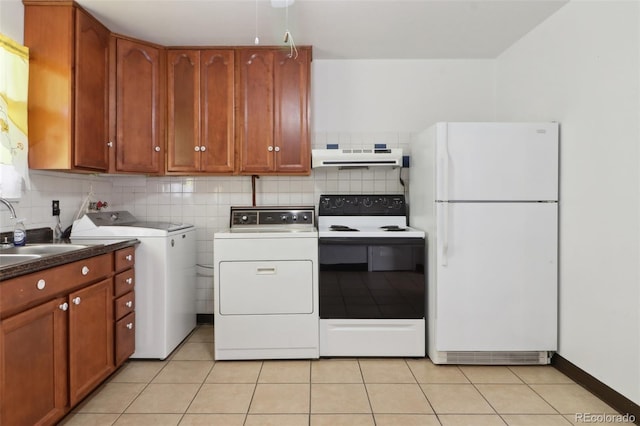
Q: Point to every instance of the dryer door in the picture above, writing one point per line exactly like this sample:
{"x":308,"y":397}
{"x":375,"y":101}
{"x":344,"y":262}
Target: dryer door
{"x":266,"y":287}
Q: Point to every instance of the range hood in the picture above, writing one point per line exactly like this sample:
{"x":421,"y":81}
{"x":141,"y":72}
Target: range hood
{"x":356,"y":158}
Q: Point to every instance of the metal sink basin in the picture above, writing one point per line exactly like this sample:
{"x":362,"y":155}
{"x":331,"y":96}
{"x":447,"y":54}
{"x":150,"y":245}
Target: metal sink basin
{"x":7,"y":259}
{"x":42,"y":249}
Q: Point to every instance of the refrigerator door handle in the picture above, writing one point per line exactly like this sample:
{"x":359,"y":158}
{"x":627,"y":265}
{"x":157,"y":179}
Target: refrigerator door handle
{"x":443,"y":233}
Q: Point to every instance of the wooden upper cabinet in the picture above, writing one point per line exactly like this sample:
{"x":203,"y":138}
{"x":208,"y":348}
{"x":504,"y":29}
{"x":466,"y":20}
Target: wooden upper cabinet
{"x":139,"y":100}
{"x":200,"y":111}
{"x":68,"y":88}
{"x":273,"y":111}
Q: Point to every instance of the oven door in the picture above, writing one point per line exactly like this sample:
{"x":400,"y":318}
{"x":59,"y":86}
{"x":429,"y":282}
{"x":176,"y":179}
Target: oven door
{"x":372,"y":278}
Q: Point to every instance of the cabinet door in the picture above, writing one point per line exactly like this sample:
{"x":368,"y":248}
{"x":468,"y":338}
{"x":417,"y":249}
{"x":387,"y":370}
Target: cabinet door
{"x":33,"y":365}
{"x":255,"y":110}
{"x":91,"y":93}
{"x":139,"y":106}
{"x":291,"y":112}
{"x":125,"y":338}
{"x":183,"y":139}
{"x":90,"y":338}
{"x":216,"y":109}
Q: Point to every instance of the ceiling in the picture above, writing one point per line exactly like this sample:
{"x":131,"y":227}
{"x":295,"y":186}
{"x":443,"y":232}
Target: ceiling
{"x":337,"y":29}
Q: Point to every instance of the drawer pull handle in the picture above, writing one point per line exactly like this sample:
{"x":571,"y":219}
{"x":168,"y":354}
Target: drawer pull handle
{"x":64,"y":306}
{"x":266,"y":270}
{"x":85,"y":270}
{"x":129,"y":257}
{"x":130,"y":325}
{"x":129,"y":280}
{"x":76,"y":300}
{"x":129,"y":304}
{"x":41,"y":284}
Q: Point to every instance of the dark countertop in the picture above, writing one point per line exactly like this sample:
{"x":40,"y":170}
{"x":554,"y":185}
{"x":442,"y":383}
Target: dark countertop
{"x":94,"y":248}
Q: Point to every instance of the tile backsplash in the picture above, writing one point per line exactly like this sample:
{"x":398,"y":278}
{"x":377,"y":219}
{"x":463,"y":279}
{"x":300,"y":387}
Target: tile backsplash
{"x":203,"y":201}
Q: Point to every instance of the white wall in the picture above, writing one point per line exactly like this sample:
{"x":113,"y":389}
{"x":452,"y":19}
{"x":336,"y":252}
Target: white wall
{"x":12,"y":19}
{"x":581,"y":67}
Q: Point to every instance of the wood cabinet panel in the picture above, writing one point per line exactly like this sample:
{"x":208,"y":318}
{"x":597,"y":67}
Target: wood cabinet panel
{"x":273,"y":111}
{"x":91,"y":148}
{"x":183,"y":136}
{"x":139,"y":107}
{"x":125,"y":338}
{"x":90,"y":338}
{"x":124,"y":305}
{"x":291,"y":112}
{"x":27,"y":290}
{"x":33,"y":366}
{"x":68,"y":88}
{"x":217,"y":133}
{"x":200,"y":104}
{"x":255,"y":112}
{"x":124,"y":282}
{"x":124,"y":258}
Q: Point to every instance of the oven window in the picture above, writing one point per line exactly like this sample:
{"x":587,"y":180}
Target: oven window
{"x":372,"y":281}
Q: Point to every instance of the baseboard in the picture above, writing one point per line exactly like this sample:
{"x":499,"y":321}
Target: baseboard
{"x":204,"y":318}
{"x":616,"y":400}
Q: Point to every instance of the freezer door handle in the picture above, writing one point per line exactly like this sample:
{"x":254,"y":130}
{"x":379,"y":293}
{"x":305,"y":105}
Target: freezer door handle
{"x":443,"y":168}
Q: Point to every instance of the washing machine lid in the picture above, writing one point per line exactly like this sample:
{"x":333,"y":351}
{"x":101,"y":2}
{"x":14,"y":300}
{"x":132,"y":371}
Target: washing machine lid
{"x":121,"y":223}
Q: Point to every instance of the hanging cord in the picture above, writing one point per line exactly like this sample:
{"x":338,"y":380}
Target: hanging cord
{"x":256,"y":41}
{"x":288,"y":38}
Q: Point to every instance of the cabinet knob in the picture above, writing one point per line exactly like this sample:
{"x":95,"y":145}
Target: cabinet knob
{"x":129,"y":304}
{"x":129,"y":280}
{"x":76,"y":300}
{"x":156,"y":149}
{"x":110,"y":144}
{"x":85,"y":270}
{"x":64,"y":306}
{"x":203,"y":148}
{"x":196,"y":149}
{"x":129,"y":257}
{"x":41,"y":284}
{"x":270,"y":149}
{"x":277,"y":149}
{"x":130,"y":325}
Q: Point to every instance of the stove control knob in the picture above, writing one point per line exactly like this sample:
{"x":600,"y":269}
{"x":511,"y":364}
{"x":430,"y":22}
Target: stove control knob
{"x":367,"y":202}
{"x":244,"y":218}
{"x":339,"y":202}
{"x":305,"y":218}
{"x":283,"y":218}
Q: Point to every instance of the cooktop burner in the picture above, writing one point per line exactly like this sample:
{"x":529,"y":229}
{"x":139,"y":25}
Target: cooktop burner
{"x":393,"y":228}
{"x":342,"y":228}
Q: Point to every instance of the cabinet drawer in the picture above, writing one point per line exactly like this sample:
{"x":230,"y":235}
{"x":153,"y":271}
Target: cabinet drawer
{"x":28,"y":289}
{"x":124,"y":282}
{"x":125,"y":343}
{"x":124,"y":305}
{"x":125,"y":258}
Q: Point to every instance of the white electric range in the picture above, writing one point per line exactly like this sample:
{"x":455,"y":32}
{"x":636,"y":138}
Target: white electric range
{"x":372,"y":277}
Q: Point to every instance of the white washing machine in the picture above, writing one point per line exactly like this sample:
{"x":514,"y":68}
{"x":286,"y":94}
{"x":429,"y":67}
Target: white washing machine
{"x":266,"y":285}
{"x":165,"y":273}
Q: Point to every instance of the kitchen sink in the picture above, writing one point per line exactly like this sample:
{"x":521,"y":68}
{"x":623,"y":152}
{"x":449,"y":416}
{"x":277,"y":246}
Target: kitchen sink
{"x":7,"y":259}
{"x":42,"y":249}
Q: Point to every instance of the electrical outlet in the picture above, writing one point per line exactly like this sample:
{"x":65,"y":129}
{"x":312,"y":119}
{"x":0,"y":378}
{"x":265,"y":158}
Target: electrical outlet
{"x":55,"y":208}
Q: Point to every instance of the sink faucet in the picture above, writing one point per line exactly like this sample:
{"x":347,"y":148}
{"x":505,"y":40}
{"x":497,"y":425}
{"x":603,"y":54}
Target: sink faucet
{"x":10,"y":207}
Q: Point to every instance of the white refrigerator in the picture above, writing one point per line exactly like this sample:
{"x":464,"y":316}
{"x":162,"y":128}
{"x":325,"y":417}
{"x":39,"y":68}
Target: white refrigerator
{"x":487,"y":196}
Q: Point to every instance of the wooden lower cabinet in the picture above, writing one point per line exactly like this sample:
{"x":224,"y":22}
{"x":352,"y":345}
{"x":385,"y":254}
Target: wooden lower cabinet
{"x":90,"y":338}
{"x":63,"y":331}
{"x":33,"y":365}
{"x":125,"y":339}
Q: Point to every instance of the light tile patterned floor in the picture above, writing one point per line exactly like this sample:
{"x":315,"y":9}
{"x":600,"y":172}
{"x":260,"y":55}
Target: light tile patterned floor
{"x":189,"y":388}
